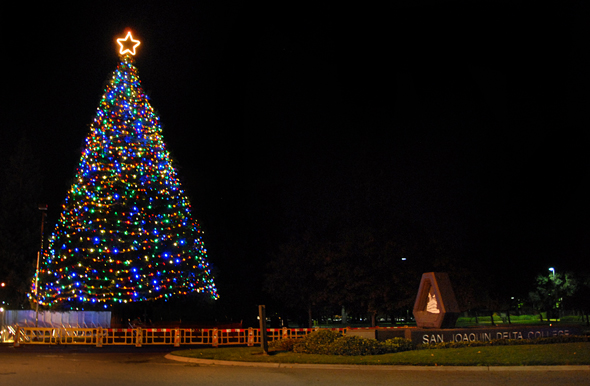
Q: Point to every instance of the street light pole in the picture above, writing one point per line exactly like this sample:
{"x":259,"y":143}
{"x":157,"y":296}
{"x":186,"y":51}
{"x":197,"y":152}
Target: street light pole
{"x":554,"y":285}
{"x":43,"y":209}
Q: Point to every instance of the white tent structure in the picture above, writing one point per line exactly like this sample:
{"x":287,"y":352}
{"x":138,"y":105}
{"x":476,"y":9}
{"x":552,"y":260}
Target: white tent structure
{"x":77,"y":319}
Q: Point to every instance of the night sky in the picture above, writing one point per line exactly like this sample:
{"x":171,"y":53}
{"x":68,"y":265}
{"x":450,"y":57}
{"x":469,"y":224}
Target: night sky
{"x":470,"y":121}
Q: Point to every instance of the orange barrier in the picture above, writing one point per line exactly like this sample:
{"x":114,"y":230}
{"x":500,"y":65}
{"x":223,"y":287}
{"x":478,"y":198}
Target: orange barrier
{"x":155,"y":336}
{"x":195,"y":336}
{"x":294,"y":333}
{"x":119,"y":336}
{"x":232,"y":337}
{"x":78,"y":336}
{"x":150,"y":336}
{"x":53,"y":336}
{"x":34,"y":335}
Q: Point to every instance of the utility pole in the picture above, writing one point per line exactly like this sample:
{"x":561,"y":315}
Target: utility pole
{"x":263,"y":335}
{"x":43,"y":209}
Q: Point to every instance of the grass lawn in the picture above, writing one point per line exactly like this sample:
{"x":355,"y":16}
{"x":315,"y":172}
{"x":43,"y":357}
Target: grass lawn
{"x":525,"y":355}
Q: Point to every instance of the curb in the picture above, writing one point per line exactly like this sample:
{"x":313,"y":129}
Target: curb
{"x":376,"y":367}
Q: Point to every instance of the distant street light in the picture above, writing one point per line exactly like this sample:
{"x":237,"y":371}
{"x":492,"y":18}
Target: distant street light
{"x":553,"y":271}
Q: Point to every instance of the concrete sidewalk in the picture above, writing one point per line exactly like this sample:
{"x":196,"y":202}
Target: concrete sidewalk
{"x":375,"y":367}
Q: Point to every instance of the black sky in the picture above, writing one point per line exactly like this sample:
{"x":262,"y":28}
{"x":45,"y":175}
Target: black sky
{"x":470,"y":120}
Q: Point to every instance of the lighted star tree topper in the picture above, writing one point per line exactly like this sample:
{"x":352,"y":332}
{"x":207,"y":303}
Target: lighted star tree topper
{"x":126,"y":232}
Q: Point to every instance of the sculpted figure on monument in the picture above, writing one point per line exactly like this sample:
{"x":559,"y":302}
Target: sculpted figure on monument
{"x":432,"y":305}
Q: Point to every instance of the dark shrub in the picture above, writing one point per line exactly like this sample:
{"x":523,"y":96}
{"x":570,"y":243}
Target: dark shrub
{"x":331,"y":342}
{"x":355,"y":345}
{"x":396,"y":345}
{"x":283,"y":344}
{"x":318,"y":342}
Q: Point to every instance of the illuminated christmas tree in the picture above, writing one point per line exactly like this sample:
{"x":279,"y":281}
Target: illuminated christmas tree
{"x":126,"y":233}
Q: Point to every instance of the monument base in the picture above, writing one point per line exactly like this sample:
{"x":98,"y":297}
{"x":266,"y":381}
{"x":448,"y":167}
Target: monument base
{"x":476,"y":334}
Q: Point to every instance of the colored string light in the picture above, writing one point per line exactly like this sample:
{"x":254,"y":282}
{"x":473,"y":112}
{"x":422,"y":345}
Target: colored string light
{"x":125,"y":233}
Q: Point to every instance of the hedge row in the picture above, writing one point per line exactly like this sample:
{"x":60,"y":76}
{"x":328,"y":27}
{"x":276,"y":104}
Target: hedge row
{"x":329,"y":342}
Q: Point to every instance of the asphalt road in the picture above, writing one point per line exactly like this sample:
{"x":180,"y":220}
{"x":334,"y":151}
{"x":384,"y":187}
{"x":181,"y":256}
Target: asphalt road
{"x":146,"y":366}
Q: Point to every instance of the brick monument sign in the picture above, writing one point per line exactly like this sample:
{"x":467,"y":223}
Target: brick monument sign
{"x":436,"y":306}
{"x":436,"y":311}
